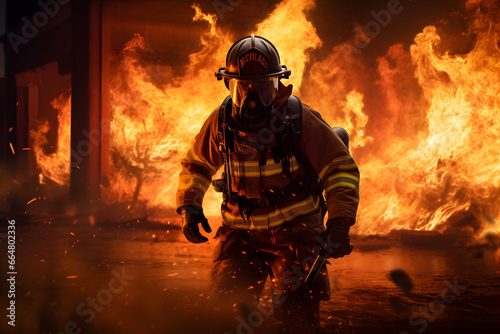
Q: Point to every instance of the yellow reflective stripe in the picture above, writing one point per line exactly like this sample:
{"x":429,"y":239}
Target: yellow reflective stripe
{"x":343,"y":184}
{"x":274,"y":218}
{"x":253,"y":169}
{"x":193,"y":158}
{"x":340,"y":175}
{"x":340,"y":179}
{"x":337,"y":162}
{"x":270,"y":164}
{"x":196,"y":180}
{"x":264,"y":172}
{"x":255,"y":163}
{"x":311,"y":207}
{"x":347,"y":167}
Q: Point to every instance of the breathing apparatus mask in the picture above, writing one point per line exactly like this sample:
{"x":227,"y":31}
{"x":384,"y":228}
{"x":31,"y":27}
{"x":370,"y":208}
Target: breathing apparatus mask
{"x":253,"y":98}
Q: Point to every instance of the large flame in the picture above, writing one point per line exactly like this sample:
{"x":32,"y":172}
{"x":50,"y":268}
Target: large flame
{"x":54,"y":166}
{"x":292,"y":37}
{"x":450,"y":179}
{"x":423,"y":124}
{"x":153,"y":124}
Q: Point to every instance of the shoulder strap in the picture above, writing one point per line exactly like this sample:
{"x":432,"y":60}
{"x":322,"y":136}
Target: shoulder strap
{"x":226,"y":145}
{"x":295,"y":132}
{"x":295,"y":125}
{"x":295,"y":118}
{"x":224,"y":138}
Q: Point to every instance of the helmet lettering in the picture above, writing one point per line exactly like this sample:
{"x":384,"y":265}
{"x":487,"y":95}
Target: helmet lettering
{"x":253,"y":57}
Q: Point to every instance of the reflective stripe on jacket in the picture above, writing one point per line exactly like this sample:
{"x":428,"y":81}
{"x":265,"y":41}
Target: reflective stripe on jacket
{"x":323,"y":148}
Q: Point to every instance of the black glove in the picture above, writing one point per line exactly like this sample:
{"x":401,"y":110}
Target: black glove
{"x":191,"y":217}
{"x":334,"y":241}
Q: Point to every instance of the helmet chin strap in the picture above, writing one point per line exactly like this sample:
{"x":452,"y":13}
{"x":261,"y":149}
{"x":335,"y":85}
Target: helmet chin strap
{"x":252,"y":111}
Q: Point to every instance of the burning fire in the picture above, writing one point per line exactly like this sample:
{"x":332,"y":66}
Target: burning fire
{"x":297,"y":36}
{"x":154,"y":123}
{"x":55,"y":166}
{"x":424,"y":127}
{"x":449,"y":180}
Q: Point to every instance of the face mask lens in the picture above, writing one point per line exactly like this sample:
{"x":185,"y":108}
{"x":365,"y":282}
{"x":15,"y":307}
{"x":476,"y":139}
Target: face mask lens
{"x":238,"y":90}
{"x":265,"y":88}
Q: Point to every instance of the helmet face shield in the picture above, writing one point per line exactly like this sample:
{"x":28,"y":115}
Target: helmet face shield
{"x":265,"y":88}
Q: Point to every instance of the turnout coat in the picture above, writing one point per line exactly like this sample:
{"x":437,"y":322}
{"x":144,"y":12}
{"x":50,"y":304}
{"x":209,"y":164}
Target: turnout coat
{"x":255,"y":172}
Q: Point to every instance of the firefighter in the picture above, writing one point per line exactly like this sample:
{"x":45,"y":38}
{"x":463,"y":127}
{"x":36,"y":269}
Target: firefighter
{"x":284,"y":168}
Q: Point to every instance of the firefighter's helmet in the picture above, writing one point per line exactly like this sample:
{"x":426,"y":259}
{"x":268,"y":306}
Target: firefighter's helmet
{"x":252,"y":67}
{"x":252,"y":57}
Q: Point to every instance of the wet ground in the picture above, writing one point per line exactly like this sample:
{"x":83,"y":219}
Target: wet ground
{"x":74,"y":278}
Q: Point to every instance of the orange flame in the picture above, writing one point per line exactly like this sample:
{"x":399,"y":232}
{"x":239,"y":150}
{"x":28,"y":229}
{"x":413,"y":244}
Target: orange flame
{"x":55,"y":166}
{"x":339,"y":101}
{"x":451,"y":178}
{"x":424,"y":127}
{"x":152,"y":124}
{"x":291,"y":37}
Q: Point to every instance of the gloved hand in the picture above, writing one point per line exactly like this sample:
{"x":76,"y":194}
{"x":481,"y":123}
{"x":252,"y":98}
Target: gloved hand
{"x":334,"y":241}
{"x":191,"y":217}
